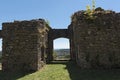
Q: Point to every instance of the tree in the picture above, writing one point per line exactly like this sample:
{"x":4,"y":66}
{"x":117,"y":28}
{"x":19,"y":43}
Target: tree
{"x":54,"y":55}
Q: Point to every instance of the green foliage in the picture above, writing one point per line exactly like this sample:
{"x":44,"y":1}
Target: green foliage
{"x":67,"y":56}
{"x":47,"y":22}
{"x":54,"y":55}
{"x":89,"y":11}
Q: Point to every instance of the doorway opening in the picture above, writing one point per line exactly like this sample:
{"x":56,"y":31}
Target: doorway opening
{"x":61,"y":49}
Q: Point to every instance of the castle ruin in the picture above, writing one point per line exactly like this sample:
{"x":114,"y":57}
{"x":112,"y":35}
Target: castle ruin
{"x":94,"y":42}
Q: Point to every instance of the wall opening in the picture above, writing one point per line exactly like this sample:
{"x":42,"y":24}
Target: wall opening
{"x":61,"y":49}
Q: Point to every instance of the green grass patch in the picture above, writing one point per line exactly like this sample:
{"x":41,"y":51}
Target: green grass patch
{"x":49,"y":72}
{"x":63,"y":71}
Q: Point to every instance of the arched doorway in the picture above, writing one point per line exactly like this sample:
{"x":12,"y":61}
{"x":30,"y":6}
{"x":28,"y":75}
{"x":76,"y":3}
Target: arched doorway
{"x":55,"y":34}
{"x":61,"y":49}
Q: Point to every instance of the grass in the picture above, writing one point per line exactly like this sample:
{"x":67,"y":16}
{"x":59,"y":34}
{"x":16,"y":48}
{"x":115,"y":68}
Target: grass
{"x":64,"y":71}
{"x":49,"y":72}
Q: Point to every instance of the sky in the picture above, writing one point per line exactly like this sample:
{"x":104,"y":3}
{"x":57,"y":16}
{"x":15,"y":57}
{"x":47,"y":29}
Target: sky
{"x":57,"y":12}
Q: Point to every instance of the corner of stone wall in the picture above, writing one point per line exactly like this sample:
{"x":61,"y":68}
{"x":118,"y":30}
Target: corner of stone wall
{"x":24,"y":45}
{"x":97,"y":39}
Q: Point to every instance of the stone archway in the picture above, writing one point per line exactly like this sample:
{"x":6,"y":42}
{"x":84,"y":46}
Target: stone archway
{"x":54,"y":34}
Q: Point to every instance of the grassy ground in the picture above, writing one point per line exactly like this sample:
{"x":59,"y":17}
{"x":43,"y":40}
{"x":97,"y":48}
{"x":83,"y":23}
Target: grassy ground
{"x":64,"y":71}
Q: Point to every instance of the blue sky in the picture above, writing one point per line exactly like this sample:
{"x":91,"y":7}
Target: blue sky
{"x":58,"y":12}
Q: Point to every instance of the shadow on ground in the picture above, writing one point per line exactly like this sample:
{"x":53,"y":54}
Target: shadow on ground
{"x":75,"y":73}
{"x":11,"y":76}
{"x":78,"y":74}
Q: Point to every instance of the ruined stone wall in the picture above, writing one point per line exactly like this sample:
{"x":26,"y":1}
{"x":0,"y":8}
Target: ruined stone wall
{"x":97,"y":39}
{"x":72,"y":49}
{"x":24,"y":45}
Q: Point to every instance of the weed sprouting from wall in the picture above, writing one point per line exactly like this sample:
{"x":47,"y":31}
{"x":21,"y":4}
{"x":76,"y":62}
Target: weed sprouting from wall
{"x":90,"y":10}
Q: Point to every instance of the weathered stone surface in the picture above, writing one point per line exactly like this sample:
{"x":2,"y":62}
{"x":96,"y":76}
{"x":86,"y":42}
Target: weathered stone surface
{"x":24,"y":45}
{"x":94,"y":42}
{"x":97,"y":40}
{"x":0,"y":33}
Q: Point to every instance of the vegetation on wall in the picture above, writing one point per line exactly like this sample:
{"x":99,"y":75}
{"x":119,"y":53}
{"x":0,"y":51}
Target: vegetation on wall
{"x":87,"y":14}
{"x":47,"y":24}
{"x":90,"y":10}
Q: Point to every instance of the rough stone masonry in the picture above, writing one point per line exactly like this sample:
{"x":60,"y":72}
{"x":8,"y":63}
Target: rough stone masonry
{"x":94,"y":42}
{"x":24,"y":45}
{"x":96,"y":39}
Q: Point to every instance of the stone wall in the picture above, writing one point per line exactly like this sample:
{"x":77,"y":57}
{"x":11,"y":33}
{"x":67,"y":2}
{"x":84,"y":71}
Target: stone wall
{"x":96,"y":39}
{"x":71,"y":36}
{"x":24,"y":45}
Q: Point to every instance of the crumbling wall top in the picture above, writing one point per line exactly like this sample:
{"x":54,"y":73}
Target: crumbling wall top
{"x":98,"y":15}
